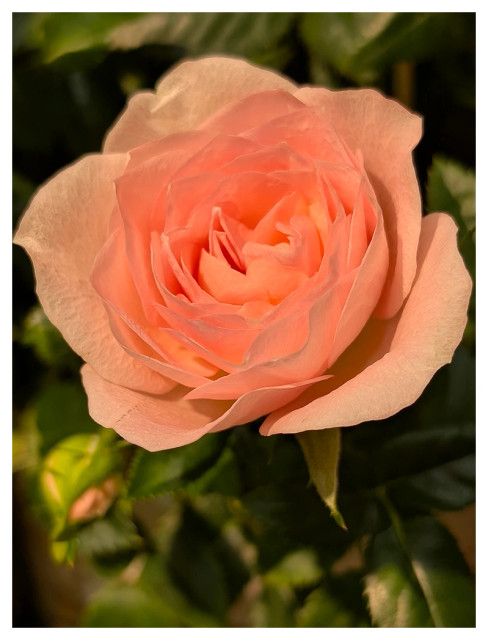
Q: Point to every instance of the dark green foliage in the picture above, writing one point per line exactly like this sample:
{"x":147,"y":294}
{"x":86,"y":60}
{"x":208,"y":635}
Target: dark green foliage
{"x":417,"y":578}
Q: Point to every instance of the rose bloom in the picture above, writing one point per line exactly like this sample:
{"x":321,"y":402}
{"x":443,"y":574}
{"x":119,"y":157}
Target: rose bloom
{"x":243,"y":247}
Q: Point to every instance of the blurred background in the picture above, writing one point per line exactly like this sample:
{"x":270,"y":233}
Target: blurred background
{"x":227,"y":553}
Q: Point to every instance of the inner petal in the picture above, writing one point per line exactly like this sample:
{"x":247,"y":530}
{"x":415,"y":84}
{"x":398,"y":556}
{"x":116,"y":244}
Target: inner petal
{"x":226,"y":284}
{"x":279,"y":280}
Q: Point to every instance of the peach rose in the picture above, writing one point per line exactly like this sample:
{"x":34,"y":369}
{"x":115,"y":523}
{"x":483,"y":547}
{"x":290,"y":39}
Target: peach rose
{"x":245,"y":247}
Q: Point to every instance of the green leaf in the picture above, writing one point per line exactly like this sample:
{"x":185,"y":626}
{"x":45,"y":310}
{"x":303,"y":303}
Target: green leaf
{"x":110,"y":542}
{"x":451,"y":187}
{"x":274,"y":607}
{"x":156,"y":577}
{"x":450,"y":486}
{"x":417,"y":577}
{"x":322,"y":609}
{"x":204,"y":565}
{"x":57,"y":34}
{"x":360,"y":46}
{"x":70,"y":468}
{"x":158,"y":473}
{"x":394,"y":596}
{"x":127,"y":605}
{"x":260,"y":37}
{"x":322,"y":453}
{"x":62,"y":411}
{"x":46,"y":341}
{"x":297,"y":569}
{"x":222,"y":477}
{"x":442,"y":573}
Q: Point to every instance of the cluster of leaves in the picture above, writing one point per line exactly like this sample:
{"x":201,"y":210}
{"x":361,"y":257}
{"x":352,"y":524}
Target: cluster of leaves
{"x":233,"y":530}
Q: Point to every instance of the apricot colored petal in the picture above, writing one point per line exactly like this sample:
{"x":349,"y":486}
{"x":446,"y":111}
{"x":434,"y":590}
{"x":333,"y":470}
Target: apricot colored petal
{"x":424,"y":336}
{"x":274,"y":158}
{"x":295,"y":348}
{"x":307,"y":132}
{"x":62,"y":231}
{"x":227,"y":285}
{"x":187,"y":142}
{"x":259,"y":402}
{"x":186,"y":96}
{"x":252,"y":111}
{"x":279,"y":280}
{"x":358,"y":116}
{"x":368,"y":284}
{"x":154,"y":422}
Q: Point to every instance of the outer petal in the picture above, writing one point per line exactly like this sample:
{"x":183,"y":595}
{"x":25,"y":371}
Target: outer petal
{"x":425,"y":335}
{"x":385,"y":133}
{"x":186,"y":96}
{"x":150,"y":421}
{"x":62,"y":231}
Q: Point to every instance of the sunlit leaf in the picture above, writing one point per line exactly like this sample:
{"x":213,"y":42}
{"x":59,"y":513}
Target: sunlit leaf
{"x":58,"y":34}
{"x":442,"y":573}
{"x":451,"y":188}
{"x":322,"y":453}
{"x":70,"y":468}
{"x":361,"y":45}
{"x":322,"y":609}
{"x":127,"y":605}
{"x":297,"y":569}
{"x":257,"y":36}
{"x":417,"y":577}
{"x":394,"y":596}
{"x":274,"y":607}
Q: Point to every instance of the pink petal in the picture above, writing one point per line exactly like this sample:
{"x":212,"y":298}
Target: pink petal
{"x":368,"y":285}
{"x":385,"y":133}
{"x":187,"y":95}
{"x":392,"y":361}
{"x":154,"y":422}
{"x":293,"y":349}
{"x":307,"y":132}
{"x":149,"y":343}
{"x":258,"y":402}
{"x":278,"y":280}
{"x":63,"y":230}
{"x":251,"y":112}
{"x":227,"y":285}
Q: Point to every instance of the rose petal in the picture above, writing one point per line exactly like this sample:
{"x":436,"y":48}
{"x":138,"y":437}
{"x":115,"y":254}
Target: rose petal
{"x":358,"y":116}
{"x":154,"y":422}
{"x":297,"y":348}
{"x":227,"y":285}
{"x":62,"y":231}
{"x":424,"y":336}
{"x":259,"y":402}
{"x":252,"y":111}
{"x":186,"y":96}
{"x":368,"y":285}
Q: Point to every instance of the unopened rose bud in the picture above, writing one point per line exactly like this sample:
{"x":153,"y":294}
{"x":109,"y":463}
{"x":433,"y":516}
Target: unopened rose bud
{"x":95,"y":502}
